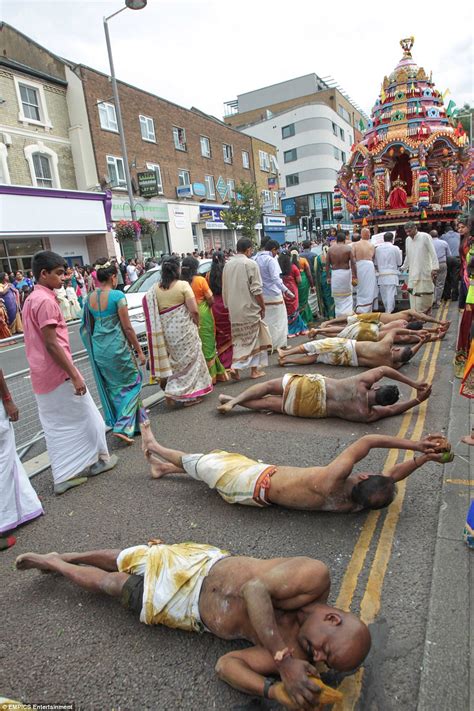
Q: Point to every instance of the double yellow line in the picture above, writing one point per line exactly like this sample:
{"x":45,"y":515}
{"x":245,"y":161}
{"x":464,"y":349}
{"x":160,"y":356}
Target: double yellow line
{"x":370,"y":605}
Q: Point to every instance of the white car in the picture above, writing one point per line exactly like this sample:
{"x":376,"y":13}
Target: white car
{"x":136,"y":291}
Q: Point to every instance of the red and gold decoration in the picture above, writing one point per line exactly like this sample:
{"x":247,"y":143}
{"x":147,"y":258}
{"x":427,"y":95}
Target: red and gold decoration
{"x":414,"y":161}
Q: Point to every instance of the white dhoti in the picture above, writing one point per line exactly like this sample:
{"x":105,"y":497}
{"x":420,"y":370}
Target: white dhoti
{"x":18,"y":500}
{"x":367,"y":291}
{"x":333,"y":351}
{"x":277,"y":322}
{"x":421,"y":293}
{"x":74,"y":431}
{"x":341,"y":290}
{"x":388,"y":285}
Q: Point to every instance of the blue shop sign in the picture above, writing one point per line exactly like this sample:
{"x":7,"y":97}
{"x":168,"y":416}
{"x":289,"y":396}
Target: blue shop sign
{"x":199,"y":189}
{"x":289,"y":207}
{"x":211,"y":214}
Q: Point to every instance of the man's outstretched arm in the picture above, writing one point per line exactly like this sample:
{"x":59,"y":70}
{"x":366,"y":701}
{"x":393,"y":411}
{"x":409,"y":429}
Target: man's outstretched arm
{"x":378,"y":412}
{"x":372,"y":376}
{"x":403,"y":470}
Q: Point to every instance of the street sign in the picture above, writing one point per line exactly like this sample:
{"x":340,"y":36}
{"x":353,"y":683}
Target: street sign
{"x":222,"y":187}
{"x":147,"y":183}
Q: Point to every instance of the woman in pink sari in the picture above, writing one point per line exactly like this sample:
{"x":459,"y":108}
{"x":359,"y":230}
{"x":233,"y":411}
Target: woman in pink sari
{"x":220,"y":313}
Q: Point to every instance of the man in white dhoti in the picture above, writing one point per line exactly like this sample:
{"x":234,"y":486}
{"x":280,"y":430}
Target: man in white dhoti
{"x":422,"y":265}
{"x":273,"y":290}
{"x":341,"y":274}
{"x":242,"y":295}
{"x":19,"y":502}
{"x":388,"y":259}
{"x":73,"y":427}
{"x":367,"y":291}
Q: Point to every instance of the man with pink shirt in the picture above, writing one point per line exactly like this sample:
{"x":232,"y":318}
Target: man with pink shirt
{"x":73,"y":427}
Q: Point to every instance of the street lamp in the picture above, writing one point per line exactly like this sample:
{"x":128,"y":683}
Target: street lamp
{"x":132,"y":5}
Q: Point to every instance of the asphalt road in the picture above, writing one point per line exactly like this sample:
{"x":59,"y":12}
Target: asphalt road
{"x":13,"y":358}
{"x":60,"y":644}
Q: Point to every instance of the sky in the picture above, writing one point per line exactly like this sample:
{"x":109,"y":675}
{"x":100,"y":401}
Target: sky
{"x":204,"y":52}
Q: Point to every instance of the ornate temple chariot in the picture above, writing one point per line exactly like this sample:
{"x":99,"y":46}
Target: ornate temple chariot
{"x":414,"y":160}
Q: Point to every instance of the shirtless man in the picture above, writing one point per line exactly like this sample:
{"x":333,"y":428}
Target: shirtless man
{"x":409,"y":315}
{"x":347,"y":352}
{"x":341,"y":274}
{"x":357,"y":399}
{"x":279,"y":605}
{"x":333,"y":487}
{"x":367,"y":290}
{"x":360,"y":329}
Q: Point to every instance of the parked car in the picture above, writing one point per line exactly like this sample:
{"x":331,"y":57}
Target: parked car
{"x":136,"y":291}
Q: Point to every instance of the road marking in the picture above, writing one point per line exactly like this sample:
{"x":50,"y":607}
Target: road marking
{"x":351,"y":686}
{"x":462,"y":482}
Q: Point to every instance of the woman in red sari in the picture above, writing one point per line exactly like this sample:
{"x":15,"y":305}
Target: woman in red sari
{"x":291,"y":278}
{"x":220,"y":313}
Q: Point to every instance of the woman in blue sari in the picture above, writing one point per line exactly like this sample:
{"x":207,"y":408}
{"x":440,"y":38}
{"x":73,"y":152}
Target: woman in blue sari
{"x":109,"y":339}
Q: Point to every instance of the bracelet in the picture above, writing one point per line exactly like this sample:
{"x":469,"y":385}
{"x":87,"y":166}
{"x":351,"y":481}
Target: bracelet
{"x":283,"y":654}
{"x":267,"y":684}
{"x":7,"y":398}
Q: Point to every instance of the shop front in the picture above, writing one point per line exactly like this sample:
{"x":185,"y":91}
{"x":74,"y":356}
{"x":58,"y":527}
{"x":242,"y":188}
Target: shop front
{"x":70,"y":222}
{"x":153,"y":245}
{"x":274,"y":227}
{"x":215,"y":235}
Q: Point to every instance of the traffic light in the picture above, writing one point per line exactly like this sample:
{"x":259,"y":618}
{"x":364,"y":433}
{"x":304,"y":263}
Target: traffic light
{"x":317,"y":223}
{"x":311,"y":224}
{"x":304,"y":224}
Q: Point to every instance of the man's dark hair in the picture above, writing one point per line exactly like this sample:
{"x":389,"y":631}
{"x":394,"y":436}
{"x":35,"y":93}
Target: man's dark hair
{"x":415,"y":325}
{"x":103,"y":275}
{"x":46,"y":260}
{"x":340,"y":237}
{"x":189,"y":269}
{"x":387,"y":395}
{"x":376,"y":492}
{"x":388,"y":237}
{"x":406,"y":354}
{"x":272,"y":244}
{"x":243,"y":244}
{"x":263,"y":242}
{"x":306,"y":244}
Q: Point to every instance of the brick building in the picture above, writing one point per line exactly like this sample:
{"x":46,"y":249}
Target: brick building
{"x":197,"y":159}
{"x":39,"y":204}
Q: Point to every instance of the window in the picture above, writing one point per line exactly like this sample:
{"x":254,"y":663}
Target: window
{"x":246,"y":160}
{"x":289,"y":156}
{"x":266,"y":197}
{"x":343,"y":156}
{"x":4,"y":172}
{"x":147,"y":128}
{"x":228,"y":152}
{"x":334,"y":128}
{"x":44,"y":178}
{"x":231,"y":188}
{"x":205,"y":147}
{"x":184,"y":178}
{"x":342,"y":112}
{"x":293,"y":179}
{"x":210,"y":186}
{"x":107,"y":117}
{"x":116,"y":172}
{"x":288,"y":131}
{"x":32,"y":103}
{"x":342,"y":134}
{"x":157,"y":169}
{"x":276,"y":200}
{"x":179,"y":137}
{"x":337,"y":153}
{"x":264,"y":161}
{"x":273,"y":164}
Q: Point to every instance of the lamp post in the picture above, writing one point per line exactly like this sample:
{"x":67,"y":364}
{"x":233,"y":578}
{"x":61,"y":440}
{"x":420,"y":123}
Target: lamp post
{"x":132,"y":5}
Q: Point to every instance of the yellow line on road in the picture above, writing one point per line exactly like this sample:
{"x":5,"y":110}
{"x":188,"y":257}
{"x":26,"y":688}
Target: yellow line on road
{"x":370,"y":605}
{"x":462,"y":482}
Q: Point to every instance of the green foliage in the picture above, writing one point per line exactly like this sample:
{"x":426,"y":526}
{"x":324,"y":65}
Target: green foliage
{"x":245,"y":211}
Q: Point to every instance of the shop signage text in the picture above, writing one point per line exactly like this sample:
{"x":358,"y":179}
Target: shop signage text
{"x":147,"y":183}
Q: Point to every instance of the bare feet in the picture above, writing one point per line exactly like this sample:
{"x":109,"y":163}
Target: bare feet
{"x":281,"y":353}
{"x":469,"y":439}
{"x":257,"y":374}
{"x":158,"y":467}
{"x":124,"y":438}
{"x":35,"y":560}
{"x":225,"y":398}
{"x":234,"y":374}
{"x":226,"y":403}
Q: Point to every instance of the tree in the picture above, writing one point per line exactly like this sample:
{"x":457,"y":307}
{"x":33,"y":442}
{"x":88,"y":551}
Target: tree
{"x":245,"y":210}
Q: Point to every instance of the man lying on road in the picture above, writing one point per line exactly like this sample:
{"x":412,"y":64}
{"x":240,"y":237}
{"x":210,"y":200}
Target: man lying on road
{"x":347,"y":352}
{"x":363,"y":329}
{"x":357,"y":399}
{"x":334,"y":487}
{"x":280,"y":605}
{"x":409,"y":315}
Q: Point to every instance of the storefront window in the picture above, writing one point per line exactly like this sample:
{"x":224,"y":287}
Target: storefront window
{"x":18,"y":253}
{"x":154,"y":245}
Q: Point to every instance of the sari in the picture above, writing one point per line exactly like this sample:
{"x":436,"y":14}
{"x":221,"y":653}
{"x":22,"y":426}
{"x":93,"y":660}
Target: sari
{"x":207,"y":330}
{"x":223,"y":331}
{"x":467,"y":385}
{"x":303,"y":292}
{"x":323,"y":290}
{"x":175,"y":350}
{"x":296,"y":325}
{"x":466,"y":323}
{"x":116,"y":371}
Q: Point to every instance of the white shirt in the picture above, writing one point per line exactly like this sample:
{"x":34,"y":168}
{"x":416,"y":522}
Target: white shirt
{"x":387,"y":260}
{"x":132,"y":273}
{"x":420,"y":260}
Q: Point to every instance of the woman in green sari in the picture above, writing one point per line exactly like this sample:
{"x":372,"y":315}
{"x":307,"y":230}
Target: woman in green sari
{"x":304,"y":286}
{"x":323,"y":289}
{"x":109,"y":339}
{"x":207,"y":327}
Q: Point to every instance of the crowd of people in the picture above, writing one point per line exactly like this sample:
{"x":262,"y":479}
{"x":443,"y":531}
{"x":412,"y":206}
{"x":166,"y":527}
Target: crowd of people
{"x":205,"y":330}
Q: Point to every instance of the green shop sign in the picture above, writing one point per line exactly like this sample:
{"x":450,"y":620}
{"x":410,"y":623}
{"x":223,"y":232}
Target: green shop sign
{"x":151,"y":210}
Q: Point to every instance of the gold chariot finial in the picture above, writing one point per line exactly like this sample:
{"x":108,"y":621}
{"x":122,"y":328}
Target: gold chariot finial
{"x":406,"y":44}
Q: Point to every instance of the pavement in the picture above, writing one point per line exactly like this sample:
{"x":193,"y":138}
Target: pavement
{"x":61,"y":645}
